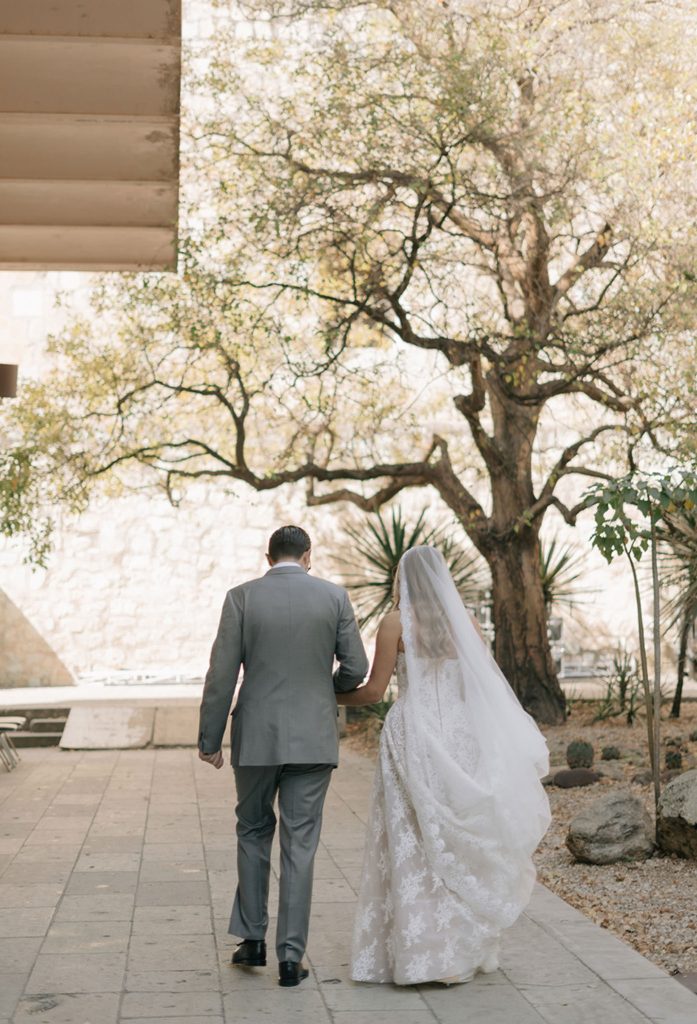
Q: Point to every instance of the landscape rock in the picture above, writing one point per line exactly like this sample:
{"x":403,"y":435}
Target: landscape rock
{"x":569,"y":778}
{"x":677,"y":816}
{"x":548,"y":780}
{"x":614,"y":828}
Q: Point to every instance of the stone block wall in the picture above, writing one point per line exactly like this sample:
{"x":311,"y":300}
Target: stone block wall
{"x":135,"y":585}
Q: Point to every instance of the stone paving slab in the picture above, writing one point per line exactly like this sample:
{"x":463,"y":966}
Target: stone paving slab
{"x":117,"y":871}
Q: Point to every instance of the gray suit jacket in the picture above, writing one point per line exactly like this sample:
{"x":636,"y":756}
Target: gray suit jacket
{"x":285,"y":629}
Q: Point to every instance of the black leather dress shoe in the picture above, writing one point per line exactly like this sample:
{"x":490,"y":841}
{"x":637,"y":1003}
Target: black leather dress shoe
{"x":250,"y":953}
{"x":290,"y":974}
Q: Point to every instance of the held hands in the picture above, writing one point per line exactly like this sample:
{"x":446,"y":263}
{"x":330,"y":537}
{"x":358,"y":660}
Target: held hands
{"x":215,"y":759}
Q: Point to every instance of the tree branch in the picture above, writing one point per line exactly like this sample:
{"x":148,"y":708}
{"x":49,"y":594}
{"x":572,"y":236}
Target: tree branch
{"x":561,"y":468}
{"x":470,"y":407}
{"x":367,"y":504}
{"x":592,"y":257}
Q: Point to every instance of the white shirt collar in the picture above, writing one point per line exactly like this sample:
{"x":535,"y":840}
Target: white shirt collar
{"x":277,"y":565}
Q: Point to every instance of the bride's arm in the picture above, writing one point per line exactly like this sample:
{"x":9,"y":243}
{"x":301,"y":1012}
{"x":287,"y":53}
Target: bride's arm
{"x":386,"y":647}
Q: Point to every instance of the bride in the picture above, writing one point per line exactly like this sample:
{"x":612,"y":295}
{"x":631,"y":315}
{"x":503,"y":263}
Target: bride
{"x":458,"y":808}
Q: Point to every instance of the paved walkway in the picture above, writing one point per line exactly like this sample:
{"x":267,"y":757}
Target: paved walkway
{"x":116,"y":876}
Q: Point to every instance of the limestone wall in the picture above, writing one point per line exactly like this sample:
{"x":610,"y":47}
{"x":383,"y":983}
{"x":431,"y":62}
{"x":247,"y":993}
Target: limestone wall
{"x":135,"y":585}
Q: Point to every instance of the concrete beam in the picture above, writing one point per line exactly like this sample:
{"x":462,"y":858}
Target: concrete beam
{"x":86,"y":203}
{"x":89,"y":134}
{"x":154,"y":19}
{"x":103,"y":247}
{"x":43,"y":74}
{"x":76,"y":147}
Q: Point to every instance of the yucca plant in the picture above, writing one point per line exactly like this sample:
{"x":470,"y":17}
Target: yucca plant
{"x":560,"y":568}
{"x":678,"y":541}
{"x":377,"y":545}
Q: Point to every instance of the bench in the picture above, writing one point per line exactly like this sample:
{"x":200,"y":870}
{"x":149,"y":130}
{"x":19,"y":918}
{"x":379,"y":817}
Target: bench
{"x":8,"y":751}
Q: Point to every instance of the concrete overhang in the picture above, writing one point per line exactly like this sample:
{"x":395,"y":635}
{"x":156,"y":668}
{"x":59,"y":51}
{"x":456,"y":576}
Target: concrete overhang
{"x":89,"y":134}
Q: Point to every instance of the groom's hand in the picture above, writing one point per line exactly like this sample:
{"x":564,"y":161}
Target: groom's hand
{"x":215,"y":759}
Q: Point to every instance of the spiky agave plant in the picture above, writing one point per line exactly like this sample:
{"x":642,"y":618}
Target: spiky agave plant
{"x":561,"y":566}
{"x":377,"y":545}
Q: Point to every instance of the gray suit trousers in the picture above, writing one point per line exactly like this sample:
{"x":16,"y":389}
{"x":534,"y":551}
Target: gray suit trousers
{"x":301,"y":790}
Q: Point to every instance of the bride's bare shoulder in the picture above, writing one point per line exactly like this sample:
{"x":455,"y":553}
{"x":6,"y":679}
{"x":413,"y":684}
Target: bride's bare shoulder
{"x":390,"y":629}
{"x":391,"y":621}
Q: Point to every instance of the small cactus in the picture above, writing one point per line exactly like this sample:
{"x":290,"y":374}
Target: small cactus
{"x":579,"y":754}
{"x":611,"y":754}
{"x":673,"y":760}
{"x":693,"y":736}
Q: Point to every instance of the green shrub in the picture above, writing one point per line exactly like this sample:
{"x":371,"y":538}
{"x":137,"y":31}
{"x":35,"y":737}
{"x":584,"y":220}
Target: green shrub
{"x":623,"y":692}
{"x":579,"y":754}
{"x":673,"y":759}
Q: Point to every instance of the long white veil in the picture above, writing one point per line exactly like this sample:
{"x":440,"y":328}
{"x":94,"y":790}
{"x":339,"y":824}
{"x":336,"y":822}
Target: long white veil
{"x":474,"y":756}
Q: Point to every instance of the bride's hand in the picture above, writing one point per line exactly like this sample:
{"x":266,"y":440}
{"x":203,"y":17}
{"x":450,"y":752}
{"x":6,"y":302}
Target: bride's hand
{"x":386,"y":648}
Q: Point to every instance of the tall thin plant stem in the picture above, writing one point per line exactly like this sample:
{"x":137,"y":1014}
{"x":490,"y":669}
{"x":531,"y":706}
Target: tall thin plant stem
{"x":656,"y":659}
{"x":648,"y":702}
{"x":656,"y":662}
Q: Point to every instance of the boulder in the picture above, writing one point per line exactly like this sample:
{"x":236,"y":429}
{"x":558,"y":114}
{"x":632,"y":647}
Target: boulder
{"x":548,"y":780}
{"x":677,"y":816}
{"x":569,"y":778}
{"x":615,"y":827}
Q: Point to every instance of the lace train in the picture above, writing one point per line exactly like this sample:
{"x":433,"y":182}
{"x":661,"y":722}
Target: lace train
{"x":437,"y":888}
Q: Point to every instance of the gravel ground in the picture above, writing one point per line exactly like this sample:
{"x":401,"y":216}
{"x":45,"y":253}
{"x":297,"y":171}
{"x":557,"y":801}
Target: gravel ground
{"x":652,"y":905}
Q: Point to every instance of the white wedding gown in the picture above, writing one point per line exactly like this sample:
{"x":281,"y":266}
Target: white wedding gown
{"x":457,"y":812}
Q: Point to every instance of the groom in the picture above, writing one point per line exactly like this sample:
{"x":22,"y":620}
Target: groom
{"x":286,"y":629}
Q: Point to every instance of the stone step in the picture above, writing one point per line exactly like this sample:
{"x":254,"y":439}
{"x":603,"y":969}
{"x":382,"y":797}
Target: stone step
{"x":26,"y":738}
{"x":47,"y":724}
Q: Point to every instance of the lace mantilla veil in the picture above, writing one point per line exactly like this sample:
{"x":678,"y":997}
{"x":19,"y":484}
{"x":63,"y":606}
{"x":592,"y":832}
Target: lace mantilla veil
{"x":475,"y":757}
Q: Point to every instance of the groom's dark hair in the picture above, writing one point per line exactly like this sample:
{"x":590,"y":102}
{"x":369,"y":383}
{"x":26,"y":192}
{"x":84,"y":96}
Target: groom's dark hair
{"x":288,"y":542}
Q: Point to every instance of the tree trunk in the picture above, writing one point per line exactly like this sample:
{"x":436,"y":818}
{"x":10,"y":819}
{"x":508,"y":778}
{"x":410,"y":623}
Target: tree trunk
{"x":522,"y":647}
{"x":512,"y":550}
{"x":682,"y":661}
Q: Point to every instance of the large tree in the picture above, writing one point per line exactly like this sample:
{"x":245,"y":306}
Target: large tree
{"x":22,"y":503}
{"x":417,"y":235}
